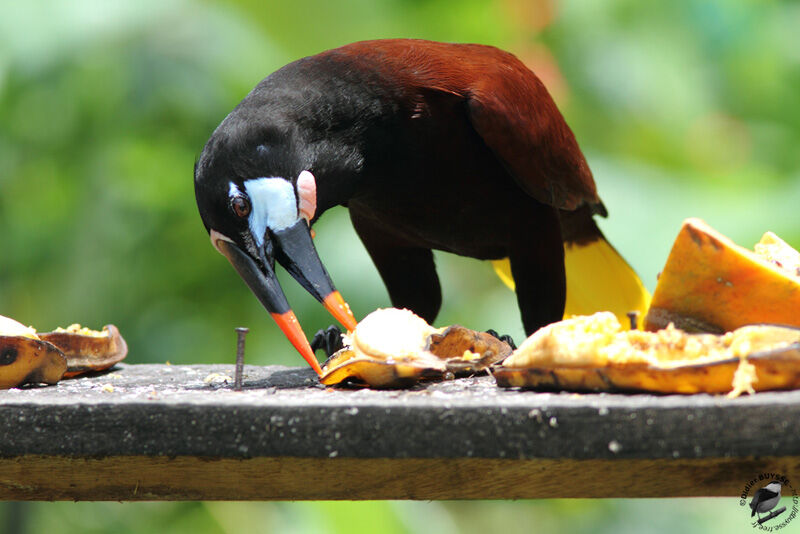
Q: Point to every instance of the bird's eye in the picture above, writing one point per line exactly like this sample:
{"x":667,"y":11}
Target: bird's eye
{"x":240,"y":206}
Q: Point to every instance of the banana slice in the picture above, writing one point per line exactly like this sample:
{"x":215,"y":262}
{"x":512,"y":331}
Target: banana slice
{"x":10,"y":327}
{"x":393,"y":348}
{"x":26,"y":359}
{"x":594,"y":353}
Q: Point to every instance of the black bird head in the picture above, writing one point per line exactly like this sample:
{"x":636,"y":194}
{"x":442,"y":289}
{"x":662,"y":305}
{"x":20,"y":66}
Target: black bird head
{"x":257,"y":201}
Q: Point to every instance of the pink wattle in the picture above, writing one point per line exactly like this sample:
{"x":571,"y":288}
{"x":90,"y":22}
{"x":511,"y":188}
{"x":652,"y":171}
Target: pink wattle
{"x":307,"y":192}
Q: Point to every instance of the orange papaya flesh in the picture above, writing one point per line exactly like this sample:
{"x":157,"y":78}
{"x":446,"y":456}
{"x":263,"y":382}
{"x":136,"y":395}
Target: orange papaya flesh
{"x":711,"y":284}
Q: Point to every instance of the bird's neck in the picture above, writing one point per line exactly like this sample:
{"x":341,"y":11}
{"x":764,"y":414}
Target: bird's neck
{"x":335,"y":189}
{"x":338,"y":167}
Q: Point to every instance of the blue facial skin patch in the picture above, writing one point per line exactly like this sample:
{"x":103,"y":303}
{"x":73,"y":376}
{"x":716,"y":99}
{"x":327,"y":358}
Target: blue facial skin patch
{"x":274,"y":205}
{"x":233,"y":190}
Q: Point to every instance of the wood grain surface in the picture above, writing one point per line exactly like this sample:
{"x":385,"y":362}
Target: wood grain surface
{"x":150,"y":432}
{"x":137,"y":478}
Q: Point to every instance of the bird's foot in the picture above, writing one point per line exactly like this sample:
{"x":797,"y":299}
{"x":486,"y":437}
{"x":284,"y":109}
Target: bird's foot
{"x":504,"y":338}
{"x":329,"y":340}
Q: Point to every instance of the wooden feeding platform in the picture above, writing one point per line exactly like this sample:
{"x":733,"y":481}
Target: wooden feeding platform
{"x":161,"y":432}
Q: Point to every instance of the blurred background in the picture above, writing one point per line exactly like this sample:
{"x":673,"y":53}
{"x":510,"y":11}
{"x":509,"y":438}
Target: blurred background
{"x":682,"y":109}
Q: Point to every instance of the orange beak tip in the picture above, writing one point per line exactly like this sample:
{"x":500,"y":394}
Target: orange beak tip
{"x":288,"y":323}
{"x":316,"y":367}
{"x":337,"y":306}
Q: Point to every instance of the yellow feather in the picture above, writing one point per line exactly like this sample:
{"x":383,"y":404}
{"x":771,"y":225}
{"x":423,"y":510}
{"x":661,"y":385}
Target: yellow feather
{"x":598,"y":279}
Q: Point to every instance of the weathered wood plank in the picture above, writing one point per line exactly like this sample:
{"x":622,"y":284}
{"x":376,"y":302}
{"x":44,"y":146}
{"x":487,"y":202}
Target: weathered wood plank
{"x":164,"y":432}
{"x":187,"y":478}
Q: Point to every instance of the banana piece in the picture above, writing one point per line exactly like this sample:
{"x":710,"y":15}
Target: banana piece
{"x":26,"y":359}
{"x":595,"y":353}
{"x":392,"y":348}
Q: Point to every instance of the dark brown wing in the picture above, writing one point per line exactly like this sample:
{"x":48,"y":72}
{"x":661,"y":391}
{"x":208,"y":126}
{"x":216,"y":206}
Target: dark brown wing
{"x":506,"y":103}
{"x":514,"y":114}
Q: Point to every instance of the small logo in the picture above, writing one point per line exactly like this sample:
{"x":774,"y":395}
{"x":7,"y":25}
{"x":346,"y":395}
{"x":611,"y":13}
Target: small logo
{"x":764,"y":505}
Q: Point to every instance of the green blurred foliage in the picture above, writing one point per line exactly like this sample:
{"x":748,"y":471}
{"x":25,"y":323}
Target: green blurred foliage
{"x":579,"y":516}
{"x":683,"y":109}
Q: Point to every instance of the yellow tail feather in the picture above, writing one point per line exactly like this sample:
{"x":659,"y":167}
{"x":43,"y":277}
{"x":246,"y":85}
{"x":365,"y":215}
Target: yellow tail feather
{"x":598,"y":279}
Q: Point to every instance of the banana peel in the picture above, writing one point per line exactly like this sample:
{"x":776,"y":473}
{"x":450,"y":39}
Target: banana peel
{"x":711,"y":284}
{"x":88,"y":350}
{"x":29,"y":361}
{"x":593,"y":353}
{"x":30,"y":358}
{"x":393,"y":348}
{"x":26,"y":359}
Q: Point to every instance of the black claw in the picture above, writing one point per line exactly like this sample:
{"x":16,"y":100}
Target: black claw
{"x":508,"y":339}
{"x":329,"y":340}
{"x":504,"y":338}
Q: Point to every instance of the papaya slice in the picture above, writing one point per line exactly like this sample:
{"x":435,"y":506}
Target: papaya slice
{"x":26,"y":359}
{"x":594,"y":353}
{"x":710,"y":284}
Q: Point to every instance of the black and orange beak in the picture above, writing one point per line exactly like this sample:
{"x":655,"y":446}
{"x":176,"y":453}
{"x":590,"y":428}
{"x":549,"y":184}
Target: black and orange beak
{"x":294,"y":250}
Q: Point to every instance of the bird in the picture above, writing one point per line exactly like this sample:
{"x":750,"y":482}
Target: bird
{"x":766,"y":498}
{"x":431,"y":146}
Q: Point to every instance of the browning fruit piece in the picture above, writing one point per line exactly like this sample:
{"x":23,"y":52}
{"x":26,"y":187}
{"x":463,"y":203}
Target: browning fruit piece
{"x":29,"y":361}
{"x":346,"y":365}
{"x":776,"y":251}
{"x":25,"y":359}
{"x":393,"y":348}
{"x":710,"y":284}
{"x":594,"y":353}
{"x":88,"y":350}
{"x":467,"y":351}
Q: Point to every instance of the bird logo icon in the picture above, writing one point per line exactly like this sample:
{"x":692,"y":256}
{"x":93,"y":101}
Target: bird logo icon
{"x":765,"y":499}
